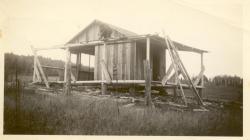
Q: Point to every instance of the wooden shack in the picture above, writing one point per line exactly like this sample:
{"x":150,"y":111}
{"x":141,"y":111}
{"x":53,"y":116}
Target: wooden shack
{"x":122,"y":51}
{"x":119,"y":56}
{"x":123,"y":57}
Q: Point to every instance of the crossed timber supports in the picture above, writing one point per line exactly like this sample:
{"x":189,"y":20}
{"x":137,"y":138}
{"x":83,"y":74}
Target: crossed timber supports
{"x":39,"y":74}
{"x":179,"y":69}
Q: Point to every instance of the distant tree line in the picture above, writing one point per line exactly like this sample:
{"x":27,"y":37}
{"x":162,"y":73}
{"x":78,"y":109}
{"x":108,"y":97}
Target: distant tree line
{"x":226,"y":80}
{"x":23,"y":65}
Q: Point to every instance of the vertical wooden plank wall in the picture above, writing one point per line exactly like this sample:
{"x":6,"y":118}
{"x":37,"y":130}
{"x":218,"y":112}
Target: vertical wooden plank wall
{"x":162,"y":63}
{"x":133,"y":61}
{"x":120,"y":61}
{"x":140,"y":56}
{"x":115,"y":62}
{"x":110,"y":58}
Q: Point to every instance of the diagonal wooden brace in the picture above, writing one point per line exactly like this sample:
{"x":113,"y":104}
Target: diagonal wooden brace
{"x":199,"y":76}
{"x":105,"y":72}
{"x":40,"y":68}
{"x":165,"y":78}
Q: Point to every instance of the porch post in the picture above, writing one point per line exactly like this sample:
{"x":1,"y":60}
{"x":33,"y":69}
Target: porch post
{"x":78,"y":65}
{"x":148,"y":75}
{"x":104,"y":85}
{"x":202,"y":78}
{"x":67,"y":74}
{"x":35,"y":68}
{"x":148,"y":49}
{"x":89,"y":68}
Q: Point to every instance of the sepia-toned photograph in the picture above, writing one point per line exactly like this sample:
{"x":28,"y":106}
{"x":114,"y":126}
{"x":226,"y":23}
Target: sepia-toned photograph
{"x":122,"y":68}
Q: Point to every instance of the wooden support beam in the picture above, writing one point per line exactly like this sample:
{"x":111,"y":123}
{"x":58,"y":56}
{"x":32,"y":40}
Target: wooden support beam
{"x":148,"y":49}
{"x":105,"y":72}
{"x":42,"y":73}
{"x":67,"y":74}
{"x":78,"y":65}
{"x":103,"y":86}
{"x":174,"y":75}
{"x":185,"y":73}
{"x":170,"y":50}
{"x":203,"y":68}
{"x":202,"y":77}
{"x":89,"y":68}
{"x":148,"y":76}
{"x":199,"y":77}
{"x":73,"y":78}
{"x":165,"y":78}
{"x":96,"y":62}
{"x":40,"y":68}
{"x":37,"y":74}
{"x":34,"y":69}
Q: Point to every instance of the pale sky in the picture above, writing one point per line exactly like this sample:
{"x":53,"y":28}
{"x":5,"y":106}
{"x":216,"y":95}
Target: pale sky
{"x":213,"y":25}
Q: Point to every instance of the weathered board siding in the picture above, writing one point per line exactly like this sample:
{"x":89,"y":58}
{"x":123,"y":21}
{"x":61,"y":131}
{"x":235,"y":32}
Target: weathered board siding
{"x":162,"y":64}
{"x":92,"y":33}
{"x":158,"y":62}
{"x":124,"y":61}
{"x":120,"y":60}
{"x":140,"y":56}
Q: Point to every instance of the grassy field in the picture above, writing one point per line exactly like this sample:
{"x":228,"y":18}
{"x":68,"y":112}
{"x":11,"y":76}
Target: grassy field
{"x":39,"y":112}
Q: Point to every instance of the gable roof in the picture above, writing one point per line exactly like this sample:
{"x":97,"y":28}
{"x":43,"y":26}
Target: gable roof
{"x":98,"y":22}
{"x":128,"y":33}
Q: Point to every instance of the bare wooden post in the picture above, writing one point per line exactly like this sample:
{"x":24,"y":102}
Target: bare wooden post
{"x":147,"y":75}
{"x":174,"y":61}
{"x":148,"y":49}
{"x":67,"y":74}
{"x":36,"y":75}
{"x":78,"y":65}
{"x":176,"y":82}
{"x":89,"y":68}
{"x":40,"y":68}
{"x":103,"y":86}
{"x":35,"y":68}
{"x":184,"y":71}
{"x":202,"y":78}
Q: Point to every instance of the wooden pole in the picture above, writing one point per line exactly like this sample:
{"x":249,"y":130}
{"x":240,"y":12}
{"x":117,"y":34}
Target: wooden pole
{"x":37,"y":75}
{"x":78,"y":64}
{"x":170,"y":50}
{"x":148,"y":50}
{"x":165,"y":78}
{"x":147,"y":75}
{"x":148,"y":79}
{"x":40,"y":69}
{"x":67,"y":74}
{"x":184,"y":71}
{"x":89,"y":68}
{"x":103,"y":85}
{"x":35,"y":68}
{"x":202,"y":78}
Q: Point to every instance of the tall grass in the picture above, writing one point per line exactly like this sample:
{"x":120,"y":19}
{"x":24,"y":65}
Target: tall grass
{"x":88,"y":115}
